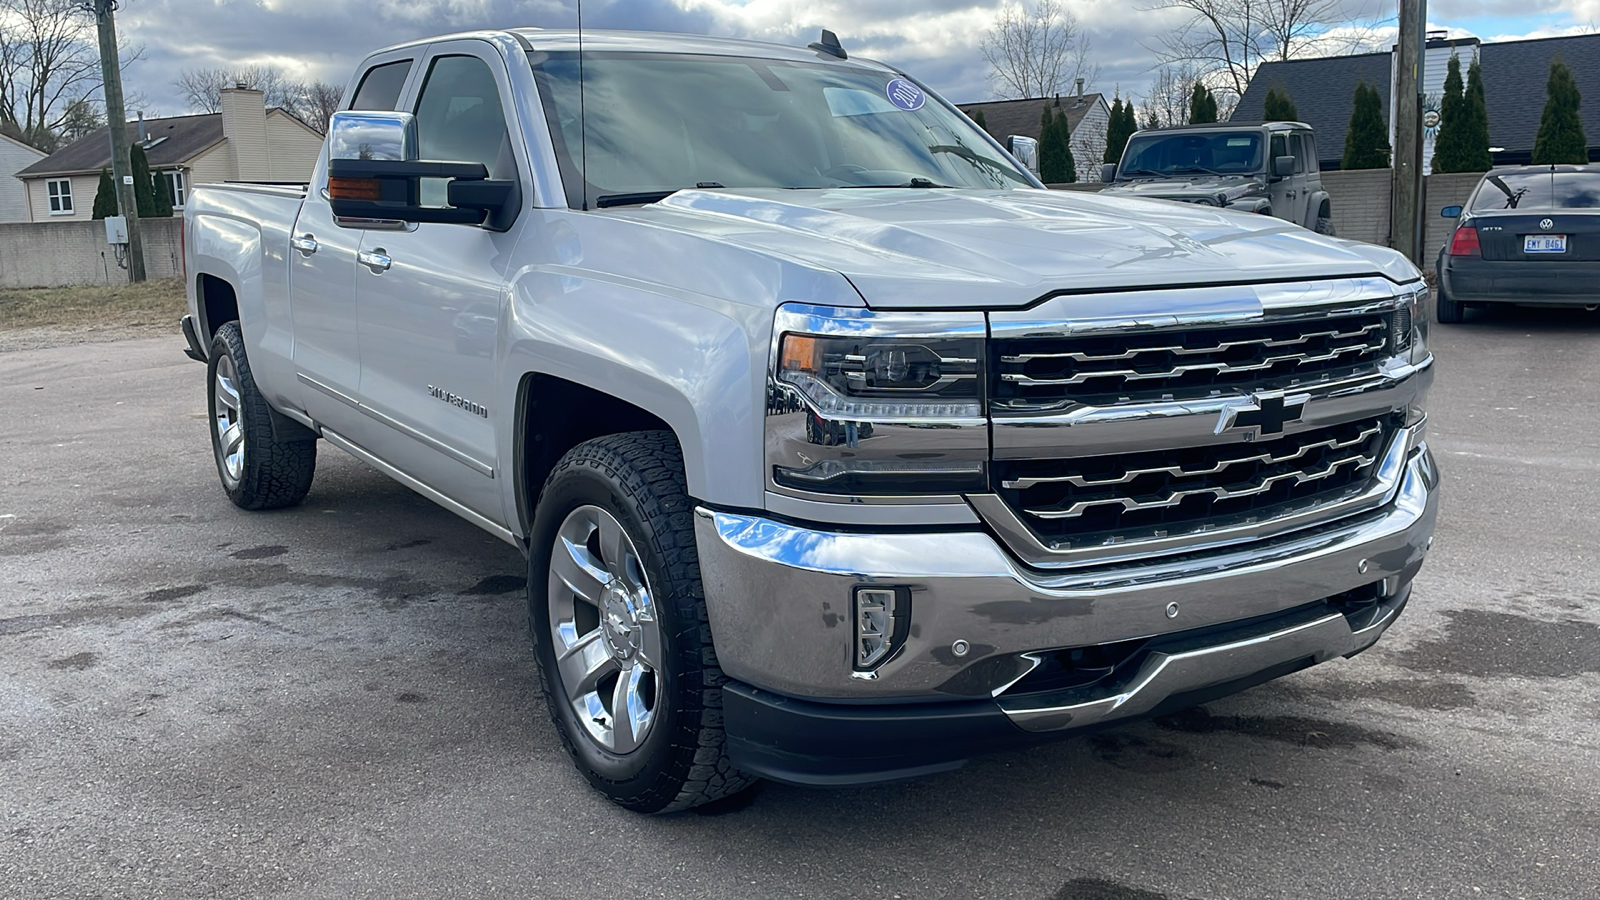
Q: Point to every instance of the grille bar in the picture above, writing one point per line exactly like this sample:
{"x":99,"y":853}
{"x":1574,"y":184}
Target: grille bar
{"x":1220,"y":493}
{"x":1147,"y":495}
{"x":1030,"y":373}
{"x":1333,"y":443}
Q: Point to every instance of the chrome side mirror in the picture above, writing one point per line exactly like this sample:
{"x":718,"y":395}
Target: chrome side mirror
{"x":373,"y":135}
{"x":1025,"y":150}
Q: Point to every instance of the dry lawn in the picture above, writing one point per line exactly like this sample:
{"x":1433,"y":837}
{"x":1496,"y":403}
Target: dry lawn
{"x":38,"y":317}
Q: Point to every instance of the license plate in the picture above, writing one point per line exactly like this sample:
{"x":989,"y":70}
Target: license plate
{"x":1544,"y":243}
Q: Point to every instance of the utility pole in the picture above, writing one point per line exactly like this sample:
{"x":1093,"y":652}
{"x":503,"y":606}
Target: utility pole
{"x":117,"y":123}
{"x":1405,"y":211}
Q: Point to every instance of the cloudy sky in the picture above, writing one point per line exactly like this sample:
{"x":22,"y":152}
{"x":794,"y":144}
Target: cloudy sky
{"x":935,"y":39}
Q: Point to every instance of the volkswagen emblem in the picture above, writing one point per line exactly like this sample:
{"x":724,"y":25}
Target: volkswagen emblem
{"x":1547,"y":224}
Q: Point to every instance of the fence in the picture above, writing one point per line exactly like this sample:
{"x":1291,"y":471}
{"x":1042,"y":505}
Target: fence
{"x":56,"y":254}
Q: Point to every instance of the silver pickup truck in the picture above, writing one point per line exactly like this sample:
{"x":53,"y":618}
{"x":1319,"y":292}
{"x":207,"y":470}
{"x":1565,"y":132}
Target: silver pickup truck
{"x":839,"y":448}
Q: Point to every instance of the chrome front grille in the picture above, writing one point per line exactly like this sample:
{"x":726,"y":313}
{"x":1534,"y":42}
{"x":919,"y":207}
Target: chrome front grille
{"x":1140,"y":496}
{"x":1041,"y":372}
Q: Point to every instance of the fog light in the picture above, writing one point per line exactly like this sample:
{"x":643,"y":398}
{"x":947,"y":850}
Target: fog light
{"x":882,"y":618}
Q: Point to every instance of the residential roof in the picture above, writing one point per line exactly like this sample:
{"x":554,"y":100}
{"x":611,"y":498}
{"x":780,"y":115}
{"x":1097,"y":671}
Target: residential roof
{"x":1514,"y":77}
{"x":1323,"y":90}
{"x":185,"y":137}
{"x":1002,"y":118}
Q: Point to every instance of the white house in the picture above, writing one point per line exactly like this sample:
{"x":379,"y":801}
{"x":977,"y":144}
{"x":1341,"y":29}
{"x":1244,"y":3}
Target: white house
{"x":14,"y":157}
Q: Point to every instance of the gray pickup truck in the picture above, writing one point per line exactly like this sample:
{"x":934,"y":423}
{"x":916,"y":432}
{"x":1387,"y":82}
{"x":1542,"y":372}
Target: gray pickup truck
{"x":1264,"y":167}
{"x":840,"y":450}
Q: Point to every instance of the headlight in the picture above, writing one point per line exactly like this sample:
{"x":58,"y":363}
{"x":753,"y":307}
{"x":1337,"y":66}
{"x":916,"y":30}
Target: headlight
{"x":1408,"y":326}
{"x":868,"y":407}
{"x":885,"y":378}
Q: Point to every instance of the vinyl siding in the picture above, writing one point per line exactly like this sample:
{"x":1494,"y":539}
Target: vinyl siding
{"x":83,"y":191}
{"x":1089,"y":141}
{"x":291,"y":147}
{"x":214,"y":166}
{"x":14,"y":157}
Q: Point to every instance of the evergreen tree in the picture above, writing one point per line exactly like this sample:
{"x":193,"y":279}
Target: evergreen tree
{"x":1478,"y":158}
{"x":977,"y":119}
{"x":1561,"y":138}
{"x":163,"y":196}
{"x":144,"y":187}
{"x":105,"y":198}
{"x":1449,"y":143}
{"x":1055,"y":149}
{"x":1366,"y":142}
{"x":1202,"y":105}
{"x":1115,"y":139}
{"x":1278,"y":107}
{"x":1129,"y":126}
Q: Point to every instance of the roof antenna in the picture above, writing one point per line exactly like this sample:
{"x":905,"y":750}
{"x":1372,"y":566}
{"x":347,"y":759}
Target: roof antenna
{"x":583,"y":118}
{"x":829,"y":45}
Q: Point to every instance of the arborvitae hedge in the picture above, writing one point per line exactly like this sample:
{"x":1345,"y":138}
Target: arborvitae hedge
{"x":1561,"y":138}
{"x":1366,"y":141}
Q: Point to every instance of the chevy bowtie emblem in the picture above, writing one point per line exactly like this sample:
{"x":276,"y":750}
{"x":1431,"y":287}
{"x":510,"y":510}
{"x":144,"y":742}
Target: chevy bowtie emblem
{"x":1547,"y":224}
{"x":1267,"y":411}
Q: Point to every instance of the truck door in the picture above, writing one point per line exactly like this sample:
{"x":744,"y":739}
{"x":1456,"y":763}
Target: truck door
{"x":1300,"y":189}
{"x":1280,"y":189}
{"x":322,"y":281}
{"x":432,"y":299}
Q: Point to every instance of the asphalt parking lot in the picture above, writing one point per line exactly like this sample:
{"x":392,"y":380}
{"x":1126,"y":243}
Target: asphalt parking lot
{"x":339,"y":700}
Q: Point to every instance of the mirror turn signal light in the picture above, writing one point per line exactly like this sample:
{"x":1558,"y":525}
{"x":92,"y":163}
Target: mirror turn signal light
{"x":355,"y":189}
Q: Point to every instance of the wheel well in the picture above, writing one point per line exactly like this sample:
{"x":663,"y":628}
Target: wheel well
{"x":218,"y":304}
{"x":553,"y":416}
{"x":1325,"y":211}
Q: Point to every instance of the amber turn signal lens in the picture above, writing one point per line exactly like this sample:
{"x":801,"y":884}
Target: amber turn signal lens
{"x":800,"y":354}
{"x":354,"y":189}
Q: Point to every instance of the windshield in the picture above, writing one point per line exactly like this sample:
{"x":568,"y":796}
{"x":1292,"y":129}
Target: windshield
{"x":1538,"y":191}
{"x":1219,"y":153}
{"x":662,"y":122}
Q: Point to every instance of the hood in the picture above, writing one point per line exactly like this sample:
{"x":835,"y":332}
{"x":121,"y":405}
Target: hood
{"x":1183,"y":188}
{"x":936,"y":248}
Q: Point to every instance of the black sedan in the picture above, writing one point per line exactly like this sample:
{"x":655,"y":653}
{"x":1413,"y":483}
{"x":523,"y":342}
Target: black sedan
{"x":1528,"y":235}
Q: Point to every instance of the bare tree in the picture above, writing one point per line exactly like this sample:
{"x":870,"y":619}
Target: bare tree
{"x":49,"y":64}
{"x":321,"y":102}
{"x":1036,"y":52}
{"x":1166,"y":103}
{"x":1226,"y":40}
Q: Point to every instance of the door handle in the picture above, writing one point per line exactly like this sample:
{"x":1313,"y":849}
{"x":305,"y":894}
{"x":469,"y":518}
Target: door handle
{"x":376,"y":260}
{"x":305,"y":243}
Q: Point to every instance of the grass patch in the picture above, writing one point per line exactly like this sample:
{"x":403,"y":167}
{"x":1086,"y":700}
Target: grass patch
{"x":158,"y":302}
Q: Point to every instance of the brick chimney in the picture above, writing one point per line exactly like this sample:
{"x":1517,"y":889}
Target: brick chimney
{"x":244,"y":124}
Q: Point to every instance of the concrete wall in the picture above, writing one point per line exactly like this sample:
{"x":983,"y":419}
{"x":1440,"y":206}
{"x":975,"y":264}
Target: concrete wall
{"x":54,"y":254}
{"x":1360,"y":200}
{"x":1442,"y":191}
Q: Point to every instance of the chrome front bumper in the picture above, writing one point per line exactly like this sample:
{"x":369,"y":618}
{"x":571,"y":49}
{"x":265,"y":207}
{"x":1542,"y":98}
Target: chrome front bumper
{"x":780,"y":594}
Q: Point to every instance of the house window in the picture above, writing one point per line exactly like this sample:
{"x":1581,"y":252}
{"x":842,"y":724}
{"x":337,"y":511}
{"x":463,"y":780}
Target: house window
{"x":175,"y":187}
{"x":60,"y":197}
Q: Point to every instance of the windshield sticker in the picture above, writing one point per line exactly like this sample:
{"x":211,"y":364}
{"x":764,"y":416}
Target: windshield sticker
{"x":1239,"y":142}
{"x":905,"y":95}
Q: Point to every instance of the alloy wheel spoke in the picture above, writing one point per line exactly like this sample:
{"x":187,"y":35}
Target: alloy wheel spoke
{"x":650,"y":651}
{"x":573,"y":565}
{"x":232,"y":438}
{"x":629,"y":717}
{"x":613,"y":547}
{"x":584,"y":665}
{"x":227,"y":393}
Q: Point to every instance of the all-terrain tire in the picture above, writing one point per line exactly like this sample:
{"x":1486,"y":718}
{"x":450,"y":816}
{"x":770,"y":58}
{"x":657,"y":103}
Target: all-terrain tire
{"x":638,"y":478}
{"x":1448,"y":311}
{"x":257,"y":470}
{"x":1325,"y":226}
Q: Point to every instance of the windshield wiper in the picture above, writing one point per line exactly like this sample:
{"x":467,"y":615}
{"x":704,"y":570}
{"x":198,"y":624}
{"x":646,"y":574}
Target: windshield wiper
{"x":978,"y":159}
{"x":605,"y":201}
{"x":1197,"y":169}
{"x":1133,"y":172}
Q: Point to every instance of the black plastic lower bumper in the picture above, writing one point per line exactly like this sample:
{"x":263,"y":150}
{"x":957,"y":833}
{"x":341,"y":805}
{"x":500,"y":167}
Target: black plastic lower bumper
{"x":809,"y":743}
{"x":1543,"y":282}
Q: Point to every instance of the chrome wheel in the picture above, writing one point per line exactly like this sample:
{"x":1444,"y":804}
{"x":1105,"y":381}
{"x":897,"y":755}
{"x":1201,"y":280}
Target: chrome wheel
{"x":227,"y":417}
{"x":605,"y":634}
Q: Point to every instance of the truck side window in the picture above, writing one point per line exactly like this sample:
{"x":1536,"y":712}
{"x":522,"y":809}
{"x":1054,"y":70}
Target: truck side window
{"x":1312,"y":163}
{"x":1280,"y":147}
{"x":460,"y":119}
{"x":380,"y":87}
{"x":1299,"y":145}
